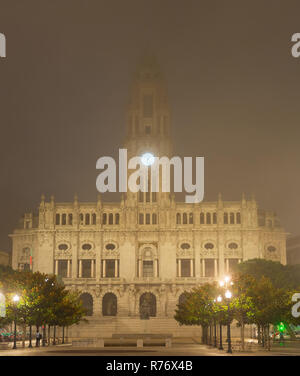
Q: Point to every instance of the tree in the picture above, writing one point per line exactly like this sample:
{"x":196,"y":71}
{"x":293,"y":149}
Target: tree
{"x":198,"y":307}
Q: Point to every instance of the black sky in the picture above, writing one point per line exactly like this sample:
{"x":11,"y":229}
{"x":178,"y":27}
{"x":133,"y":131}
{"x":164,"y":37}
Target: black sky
{"x":233,"y":89}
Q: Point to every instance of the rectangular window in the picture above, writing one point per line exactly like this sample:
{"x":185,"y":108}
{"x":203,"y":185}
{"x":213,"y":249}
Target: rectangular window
{"x":110,"y":268}
{"x":147,"y":219}
{"x":141,"y":219}
{"x":147,"y":268}
{"x":148,"y":105}
{"x":86,"y":268}
{"x":185,"y":268}
{"x":63,"y":268}
{"x":209,"y":268}
{"x":57,"y":219}
{"x":232,"y":264}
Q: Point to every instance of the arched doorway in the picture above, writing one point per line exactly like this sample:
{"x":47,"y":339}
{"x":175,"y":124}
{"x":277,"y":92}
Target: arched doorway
{"x":147,"y":305}
{"x":87,"y":302}
{"x":109,"y":304}
{"x":182,"y":298}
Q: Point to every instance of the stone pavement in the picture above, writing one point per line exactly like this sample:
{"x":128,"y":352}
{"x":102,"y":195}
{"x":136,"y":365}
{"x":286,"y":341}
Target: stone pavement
{"x":178,"y":349}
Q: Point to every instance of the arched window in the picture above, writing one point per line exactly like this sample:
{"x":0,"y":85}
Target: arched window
{"x":57,"y":219}
{"x":232,"y":218}
{"x":86,"y":247}
{"x":185,"y":246}
{"x":182,"y":298}
{"x":87,"y":302}
{"x":87,"y":219}
{"x":238,"y":218}
{"x":147,"y":219}
{"x":81,"y":218}
{"x":178,"y":219}
{"x":154,"y":219}
{"x":147,"y":305}
{"x":191,"y":218}
{"x":117,"y":218}
{"x":70,"y":219}
{"x":110,"y":246}
{"x":93,"y":218}
{"x":141,"y":218}
{"x":104,"y":218}
{"x":225,"y":218}
{"x":271,"y":248}
{"x":184,"y":219}
{"x":26,"y":252}
{"x":208,"y":218}
{"x":209,"y":246}
{"x":64,"y":219}
{"x":63,"y":247}
{"x":109,"y":304}
{"x":202,"y":219}
{"x":214,"y":218}
{"x":232,"y":246}
{"x":110,"y":218}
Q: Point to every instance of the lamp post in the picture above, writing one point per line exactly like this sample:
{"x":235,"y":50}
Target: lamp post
{"x":15,"y":299}
{"x":219,"y":299}
{"x":215,"y":328}
{"x":228,"y":296}
{"x":224,"y":284}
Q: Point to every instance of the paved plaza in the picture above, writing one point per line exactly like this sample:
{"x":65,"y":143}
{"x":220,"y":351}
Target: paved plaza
{"x":288,"y":348}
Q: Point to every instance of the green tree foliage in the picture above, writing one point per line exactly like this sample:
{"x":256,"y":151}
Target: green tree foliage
{"x":44,"y":300}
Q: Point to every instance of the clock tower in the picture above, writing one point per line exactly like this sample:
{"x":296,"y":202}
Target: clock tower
{"x":148,"y":122}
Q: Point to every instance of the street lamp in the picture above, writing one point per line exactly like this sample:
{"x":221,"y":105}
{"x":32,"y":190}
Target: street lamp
{"x":228,"y":296}
{"x":215,"y":329}
{"x":15,"y":299}
{"x":219,"y":299}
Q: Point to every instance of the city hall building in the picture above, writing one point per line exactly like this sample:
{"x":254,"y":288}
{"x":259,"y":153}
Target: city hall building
{"x":140,"y":254}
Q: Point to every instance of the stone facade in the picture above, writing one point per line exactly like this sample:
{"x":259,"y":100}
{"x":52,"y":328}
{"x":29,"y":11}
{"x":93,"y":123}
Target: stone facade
{"x":147,"y":247}
{"x":293,"y":250}
{"x":4,"y":258}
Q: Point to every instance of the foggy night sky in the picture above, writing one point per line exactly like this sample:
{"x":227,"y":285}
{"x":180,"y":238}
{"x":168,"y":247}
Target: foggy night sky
{"x":233,"y":91}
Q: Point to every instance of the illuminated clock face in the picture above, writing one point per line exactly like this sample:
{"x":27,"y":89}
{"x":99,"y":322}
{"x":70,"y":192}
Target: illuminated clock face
{"x":147,"y":159}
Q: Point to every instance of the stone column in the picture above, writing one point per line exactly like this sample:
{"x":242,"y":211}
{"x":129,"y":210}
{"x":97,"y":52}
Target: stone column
{"x":56,"y":267}
{"x":92,"y":268}
{"x":155,"y":268}
{"x":179,"y":267}
{"x":203,"y":267}
{"x":80,"y":269}
{"x":140,"y":268}
{"x":216,"y":267}
{"x":68,"y":268}
{"x":104,"y":268}
{"x":116,"y":268}
{"x":227,"y":265}
{"x":191,"y":268}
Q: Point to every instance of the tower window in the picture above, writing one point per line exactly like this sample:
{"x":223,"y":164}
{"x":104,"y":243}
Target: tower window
{"x":148,"y":129}
{"x":148,"y":105}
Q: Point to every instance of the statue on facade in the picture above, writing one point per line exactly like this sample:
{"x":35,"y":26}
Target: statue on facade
{"x":131,"y":300}
{"x":163,"y":299}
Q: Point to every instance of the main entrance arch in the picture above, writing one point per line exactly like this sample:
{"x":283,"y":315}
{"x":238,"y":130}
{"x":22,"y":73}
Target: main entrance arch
{"x":147,"y":305}
{"x":109,"y":304}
